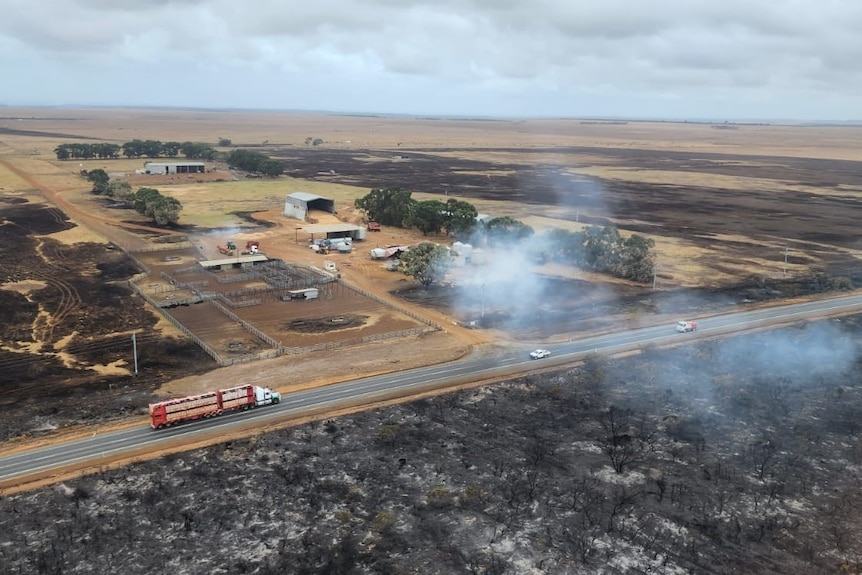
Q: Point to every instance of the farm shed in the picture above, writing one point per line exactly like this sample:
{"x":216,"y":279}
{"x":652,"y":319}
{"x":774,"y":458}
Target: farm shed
{"x":228,"y":263}
{"x":298,"y":204}
{"x":175,"y":167}
{"x":333,"y":231}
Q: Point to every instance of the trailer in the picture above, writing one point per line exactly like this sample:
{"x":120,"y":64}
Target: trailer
{"x":210,"y":404}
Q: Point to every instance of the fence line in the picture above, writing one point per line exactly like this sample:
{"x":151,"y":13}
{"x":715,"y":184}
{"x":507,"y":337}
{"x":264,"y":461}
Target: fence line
{"x":380,"y":300}
{"x":247,"y":326}
{"x":176,"y":323}
{"x":357,"y":340}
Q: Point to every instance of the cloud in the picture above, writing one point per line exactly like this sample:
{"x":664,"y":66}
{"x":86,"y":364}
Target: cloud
{"x":590,"y":57}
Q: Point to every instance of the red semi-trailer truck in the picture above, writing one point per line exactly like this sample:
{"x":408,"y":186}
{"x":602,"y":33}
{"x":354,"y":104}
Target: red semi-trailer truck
{"x":210,"y":404}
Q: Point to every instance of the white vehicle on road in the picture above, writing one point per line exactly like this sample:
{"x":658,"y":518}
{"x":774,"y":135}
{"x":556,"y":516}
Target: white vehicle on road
{"x":539,"y":354}
{"x":686,"y":326}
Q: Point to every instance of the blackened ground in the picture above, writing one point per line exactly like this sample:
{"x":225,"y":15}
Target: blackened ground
{"x":88,"y":316}
{"x":695,"y":213}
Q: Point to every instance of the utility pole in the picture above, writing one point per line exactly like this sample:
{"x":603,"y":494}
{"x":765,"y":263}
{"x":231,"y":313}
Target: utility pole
{"x":785,"y":260}
{"x":654,"y":275}
{"x":482,"y":312}
{"x":135,"y":351}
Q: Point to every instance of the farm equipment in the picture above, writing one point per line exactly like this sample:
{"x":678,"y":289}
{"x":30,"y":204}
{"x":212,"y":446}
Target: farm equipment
{"x":228,"y":249}
{"x":373,"y":227}
{"x":251,"y":248}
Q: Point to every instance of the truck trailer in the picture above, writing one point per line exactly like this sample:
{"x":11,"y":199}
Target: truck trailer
{"x":210,"y":404}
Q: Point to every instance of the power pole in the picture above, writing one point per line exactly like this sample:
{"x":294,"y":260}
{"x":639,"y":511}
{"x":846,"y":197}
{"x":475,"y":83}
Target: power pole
{"x":135,"y":351}
{"x":654,"y":275}
{"x":785,"y":260}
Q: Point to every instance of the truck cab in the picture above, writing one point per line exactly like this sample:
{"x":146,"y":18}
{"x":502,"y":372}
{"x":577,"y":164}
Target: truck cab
{"x":265,"y":396}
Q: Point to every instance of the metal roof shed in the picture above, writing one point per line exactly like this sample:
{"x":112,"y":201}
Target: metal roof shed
{"x":298,"y":204}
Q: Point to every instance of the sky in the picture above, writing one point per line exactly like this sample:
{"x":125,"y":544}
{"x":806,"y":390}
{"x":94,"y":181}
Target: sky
{"x":647,"y":59}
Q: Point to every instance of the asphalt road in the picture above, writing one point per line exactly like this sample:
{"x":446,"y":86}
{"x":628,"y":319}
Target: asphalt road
{"x":101,"y":447}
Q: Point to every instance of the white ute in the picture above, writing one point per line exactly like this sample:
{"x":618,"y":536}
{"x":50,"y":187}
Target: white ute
{"x":539,"y":354}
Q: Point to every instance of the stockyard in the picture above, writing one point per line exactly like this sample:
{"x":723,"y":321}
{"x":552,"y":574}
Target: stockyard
{"x":724,"y":455}
{"x":241,"y":312}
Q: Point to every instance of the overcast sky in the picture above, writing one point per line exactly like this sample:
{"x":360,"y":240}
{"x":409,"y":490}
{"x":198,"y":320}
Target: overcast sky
{"x":695,"y":59}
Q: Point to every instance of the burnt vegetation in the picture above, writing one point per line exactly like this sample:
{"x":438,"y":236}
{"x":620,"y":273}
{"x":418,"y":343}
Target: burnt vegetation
{"x":735,"y":456}
{"x":75,"y":310}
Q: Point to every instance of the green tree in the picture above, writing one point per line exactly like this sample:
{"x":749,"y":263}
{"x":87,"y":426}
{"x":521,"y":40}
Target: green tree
{"x":118,"y":189}
{"x":143,"y":197}
{"x":100,"y":179}
{"x":426,"y":263}
{"x":565,"y":246}
{"x":198,"y":151}
{"x":165,"y":210}
{"x":427,"y":216}
{"x":638,"y":259}
{"x":506,"y":229}
{"x":63,"y":152}
{"x":460,"y":218}
{"x":133,"y":149}
{"x":171,"y":149}
{"x":152,"y":148}
{"x":389,"y":206}
{"x":106,"y":150}
{"x":271,"y":168}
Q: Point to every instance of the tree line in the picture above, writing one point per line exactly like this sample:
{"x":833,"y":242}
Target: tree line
{"x":600,"y":249}
{"x":255,"y":162}
{"x":163,"y":210}
{"x":136,"y":149}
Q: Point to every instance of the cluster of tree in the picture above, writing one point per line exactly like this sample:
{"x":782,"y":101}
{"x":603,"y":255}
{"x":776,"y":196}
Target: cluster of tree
{"x":136,"y":149}
{"x":395,"y":207}
{"x":256,"y":162}
{"x":164,"y":210}
{"x":596,"y":248}
{"x":101,"y":151}
{"x":602,"y":249}
{"x":313,"y":141}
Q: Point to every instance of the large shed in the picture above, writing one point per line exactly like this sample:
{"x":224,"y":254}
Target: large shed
{"x":175,"y":168}
{"x":298,"y":204}
{"x":334,"y":231}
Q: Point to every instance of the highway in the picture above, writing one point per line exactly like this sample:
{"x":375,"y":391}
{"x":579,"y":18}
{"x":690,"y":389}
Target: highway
{"x":96,"y":450}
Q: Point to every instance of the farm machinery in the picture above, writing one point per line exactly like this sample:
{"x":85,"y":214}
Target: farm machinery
{"x":229,"y":249}
{"x":252,"y":248}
